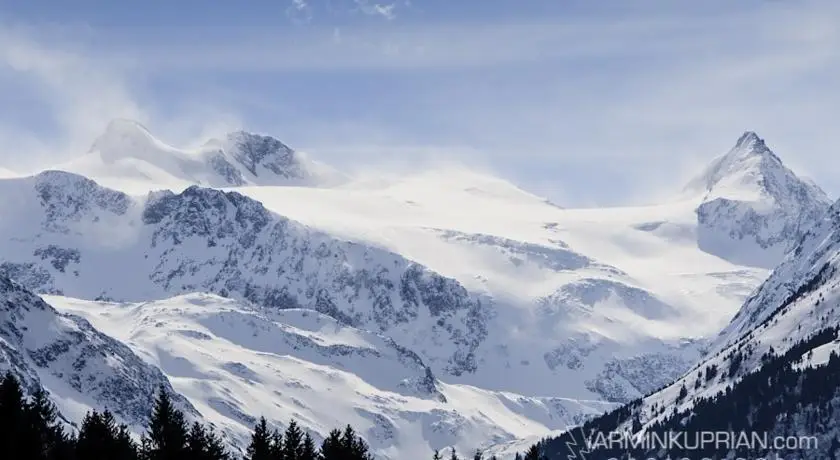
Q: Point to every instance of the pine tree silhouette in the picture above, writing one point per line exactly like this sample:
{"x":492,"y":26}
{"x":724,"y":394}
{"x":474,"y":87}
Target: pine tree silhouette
{"x":261,"y":446}
{"x":276,"y":451}
{"x":203,"y":444}
{"x":292,"y":442}
{"x":100,"y":438}
{"x":308,"y":450}
{"x":331,"y":448}
{"x":13,"y":436}
{"x":166,"y":438}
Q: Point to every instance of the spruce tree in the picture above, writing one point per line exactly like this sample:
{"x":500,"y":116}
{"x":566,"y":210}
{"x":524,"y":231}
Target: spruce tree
{"x":203,"y":444}
{"x":167,"y":434}
{"x":215,"y":447}
{"x":437,"y":456}
{"x":292,"y":442}
{"x":453,"y":455}
{"x":276,"y":445}
{"x":308,"y":451}
{"x":14,"y":439}
{"x":43,"y":425}
{"x":354,"y":446}
{"x":100,"y":438}
{"x":331,"y":448}
{"x":533,"y":453}
{"x":261,"y":445}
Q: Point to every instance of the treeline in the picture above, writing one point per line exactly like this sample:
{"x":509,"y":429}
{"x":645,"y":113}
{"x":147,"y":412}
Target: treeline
{"x":781,"y":399}
{"x":31,"y":430}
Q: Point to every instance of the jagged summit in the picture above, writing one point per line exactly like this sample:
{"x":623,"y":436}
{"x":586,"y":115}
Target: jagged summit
{"x":742,"y":169}
{"x":128,"y":153}
{"x":753,"y":208}
{"x":751,"y":140}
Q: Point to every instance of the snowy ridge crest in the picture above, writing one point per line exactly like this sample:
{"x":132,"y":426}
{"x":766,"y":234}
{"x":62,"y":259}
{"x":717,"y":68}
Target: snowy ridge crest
{"x":206,"y":240}
{"x":753,"y":209}
{"x":127,"y":151}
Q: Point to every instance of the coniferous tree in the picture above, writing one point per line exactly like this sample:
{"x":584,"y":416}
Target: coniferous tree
{"x":215,"y":447}
{"x":478,"y":455}
{"x":533,"y":453}
{"x":331,"y":448}
{"x":261,"y":443}
{"x":437,"y":455}
{"x":13,"y":436}
{"x":354,"y":446}
{"x":276,"y":445}
{"x":292,"y":442}
{"x":203,"y":444}
{"x":167,"y":433}
{"x":100,"y":438}
{"x":454,"y":455}
{"x":44,"y":427}
{"x":308,"y":451}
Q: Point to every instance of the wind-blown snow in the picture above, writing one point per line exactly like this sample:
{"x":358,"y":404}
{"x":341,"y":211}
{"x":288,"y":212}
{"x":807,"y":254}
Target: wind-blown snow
{"x":478,"y":278}
{"x":128,"y":157}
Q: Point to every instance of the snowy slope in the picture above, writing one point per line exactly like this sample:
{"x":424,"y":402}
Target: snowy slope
{"x":787,"y":327}
{"x":234,"y":362}
{"x":78,"y":365}
{"x":584,"y":303}
{"x":127,"y":156}
{"x":62,"y":233}
{"x":633,"y":291}
{"x":587,"y":331}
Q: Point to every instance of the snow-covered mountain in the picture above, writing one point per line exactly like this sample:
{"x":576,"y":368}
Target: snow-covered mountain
{"x":615,"y":319}
{"x":772,"y":370}
{"x":63,"y":234}
{"x":494,"y":289}
{"x":234,"y":362}
{"x":128,"y":156}
{"x":81,"y":367}
{"x":754,"y":209}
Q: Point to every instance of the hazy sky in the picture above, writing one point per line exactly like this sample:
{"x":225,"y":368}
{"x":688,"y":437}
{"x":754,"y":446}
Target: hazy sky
{"x":586,"y":101}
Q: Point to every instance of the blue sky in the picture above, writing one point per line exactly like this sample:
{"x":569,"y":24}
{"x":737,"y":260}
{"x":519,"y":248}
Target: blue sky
{"x":587,"y":102}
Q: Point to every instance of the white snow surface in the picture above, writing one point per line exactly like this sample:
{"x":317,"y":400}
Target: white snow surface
{"x":234,"y":362}
{"x":799,"y":299}
{"x":606,"y":303}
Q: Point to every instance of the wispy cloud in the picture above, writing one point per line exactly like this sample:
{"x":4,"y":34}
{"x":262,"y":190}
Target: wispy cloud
{"x":74,"y":95}
{"x":387,"y":11}
{"x":588,"y":108}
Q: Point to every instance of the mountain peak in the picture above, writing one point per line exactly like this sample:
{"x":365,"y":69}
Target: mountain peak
{"x":124,"y":137}
{"x":749,"y":194}
{"x":748,"y":139}
{"x":750,"y":144}
{"x":744,"y":167}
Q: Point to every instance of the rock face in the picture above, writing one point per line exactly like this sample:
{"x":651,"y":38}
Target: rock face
{"x":754,"y":209}
{"x":72,"y":234}
{"x":73,"y":361}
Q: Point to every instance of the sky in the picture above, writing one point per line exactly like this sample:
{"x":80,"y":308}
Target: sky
{"x":585,"y":102}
